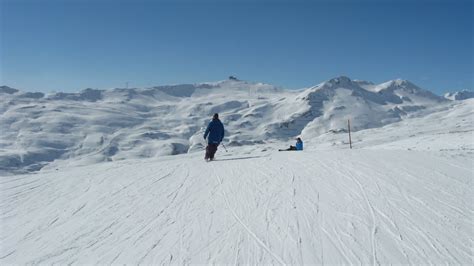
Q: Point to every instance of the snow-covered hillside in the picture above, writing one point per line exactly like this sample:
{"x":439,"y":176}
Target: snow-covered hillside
{"x":108,"y":125}
{"x":459,"y":95}
{"x":403,"y":195}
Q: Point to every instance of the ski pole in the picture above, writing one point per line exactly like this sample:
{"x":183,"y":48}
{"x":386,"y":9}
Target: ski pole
{"x":224,"y":147}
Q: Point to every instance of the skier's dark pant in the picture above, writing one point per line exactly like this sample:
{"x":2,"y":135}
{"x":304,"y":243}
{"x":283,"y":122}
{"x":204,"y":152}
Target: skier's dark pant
{"x":291,"y":148}
{"x":210,"y":151}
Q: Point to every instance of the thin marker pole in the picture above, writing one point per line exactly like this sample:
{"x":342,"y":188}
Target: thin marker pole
{"x":349,"y":127}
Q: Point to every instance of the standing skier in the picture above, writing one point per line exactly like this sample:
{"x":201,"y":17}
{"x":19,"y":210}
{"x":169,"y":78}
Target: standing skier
{"x":215,"y":130}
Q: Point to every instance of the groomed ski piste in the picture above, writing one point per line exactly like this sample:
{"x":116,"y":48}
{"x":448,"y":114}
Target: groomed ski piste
{"x":402,"y":195}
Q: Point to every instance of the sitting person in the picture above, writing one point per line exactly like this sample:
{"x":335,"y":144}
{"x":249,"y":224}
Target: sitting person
{"x":297,"y":147}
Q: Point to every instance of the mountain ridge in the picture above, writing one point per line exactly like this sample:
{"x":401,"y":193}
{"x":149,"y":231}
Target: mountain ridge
{"x":213,"y":84}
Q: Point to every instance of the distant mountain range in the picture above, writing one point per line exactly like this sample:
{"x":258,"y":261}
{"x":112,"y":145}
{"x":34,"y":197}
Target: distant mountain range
{"x":100,"y":125}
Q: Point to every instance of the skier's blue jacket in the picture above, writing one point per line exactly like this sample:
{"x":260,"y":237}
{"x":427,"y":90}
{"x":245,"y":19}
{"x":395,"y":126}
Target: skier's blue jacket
{"x":215,"y":130}
{"x":299,"y":145}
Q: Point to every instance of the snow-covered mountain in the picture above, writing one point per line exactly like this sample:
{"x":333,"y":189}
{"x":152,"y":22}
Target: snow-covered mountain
{"x":107,"y":125}
{"x":459,"y":95}
{"x":327,"y":106}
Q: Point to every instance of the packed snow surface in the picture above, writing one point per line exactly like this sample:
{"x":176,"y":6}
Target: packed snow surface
{"x":402,"y":195}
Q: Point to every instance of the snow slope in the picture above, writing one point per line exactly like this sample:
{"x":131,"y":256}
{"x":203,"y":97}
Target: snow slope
{"x":402,"y":195}
{"x":446,"y":129}
{"x":94,"y":126}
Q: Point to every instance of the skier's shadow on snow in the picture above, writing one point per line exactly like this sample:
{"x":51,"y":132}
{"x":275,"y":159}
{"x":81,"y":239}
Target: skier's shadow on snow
{"x":239,"y":158}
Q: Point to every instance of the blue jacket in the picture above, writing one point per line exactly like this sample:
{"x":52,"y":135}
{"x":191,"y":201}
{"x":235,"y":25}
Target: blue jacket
{"x":215,"y":130}
{"x":299,"y":145}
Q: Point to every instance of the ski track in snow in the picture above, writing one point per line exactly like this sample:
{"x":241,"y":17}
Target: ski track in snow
{"x":323,"y":207}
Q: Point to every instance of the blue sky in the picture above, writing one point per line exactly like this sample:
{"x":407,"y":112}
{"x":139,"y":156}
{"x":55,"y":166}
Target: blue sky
{"x":56,"y":45}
